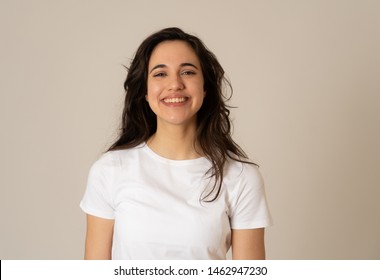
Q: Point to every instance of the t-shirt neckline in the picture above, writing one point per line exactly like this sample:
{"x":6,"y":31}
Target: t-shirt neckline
{"x":195,"y":161}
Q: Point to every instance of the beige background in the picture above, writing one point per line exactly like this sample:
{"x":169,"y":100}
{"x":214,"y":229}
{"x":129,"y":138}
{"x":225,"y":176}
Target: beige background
{"x":306,"y":84}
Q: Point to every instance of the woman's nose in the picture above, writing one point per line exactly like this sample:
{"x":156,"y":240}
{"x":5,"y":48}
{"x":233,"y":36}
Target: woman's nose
{"x":176,"y":83}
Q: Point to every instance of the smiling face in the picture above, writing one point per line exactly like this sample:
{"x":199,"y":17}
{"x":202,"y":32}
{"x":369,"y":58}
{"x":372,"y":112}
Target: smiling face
{"x":175,"y":83}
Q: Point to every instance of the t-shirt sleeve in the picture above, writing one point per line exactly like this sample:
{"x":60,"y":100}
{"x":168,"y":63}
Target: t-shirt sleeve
{"x":249,"y":207}
{"x":97,"y":200}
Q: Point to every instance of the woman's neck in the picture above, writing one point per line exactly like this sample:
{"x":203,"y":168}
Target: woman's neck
{"x":175,"y":142}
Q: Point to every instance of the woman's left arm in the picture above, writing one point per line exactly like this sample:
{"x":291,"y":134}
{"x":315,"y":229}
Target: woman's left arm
{"x":248,"y":244}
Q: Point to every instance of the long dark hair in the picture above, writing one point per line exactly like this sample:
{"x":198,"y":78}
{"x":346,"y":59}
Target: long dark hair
{"x":139,"y":122}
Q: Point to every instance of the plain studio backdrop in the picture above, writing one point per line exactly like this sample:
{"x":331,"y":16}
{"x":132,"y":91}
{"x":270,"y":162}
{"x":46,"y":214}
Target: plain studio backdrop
{"x":306,"y":87}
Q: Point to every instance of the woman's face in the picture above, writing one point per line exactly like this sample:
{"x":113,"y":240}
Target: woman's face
{"x":175,"y":83}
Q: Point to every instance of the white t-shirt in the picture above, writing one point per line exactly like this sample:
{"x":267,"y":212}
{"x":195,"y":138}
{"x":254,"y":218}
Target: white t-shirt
{"x":157,"y":208}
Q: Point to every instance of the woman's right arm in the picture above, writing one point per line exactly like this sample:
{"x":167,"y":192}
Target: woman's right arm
{"x":98,"y":238}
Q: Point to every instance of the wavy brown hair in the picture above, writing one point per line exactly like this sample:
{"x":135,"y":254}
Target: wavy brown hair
{"x":213,"y":135}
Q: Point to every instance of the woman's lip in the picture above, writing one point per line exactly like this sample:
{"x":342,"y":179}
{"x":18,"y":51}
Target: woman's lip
{"x":175,"y":96}
{"x":175,"y":99}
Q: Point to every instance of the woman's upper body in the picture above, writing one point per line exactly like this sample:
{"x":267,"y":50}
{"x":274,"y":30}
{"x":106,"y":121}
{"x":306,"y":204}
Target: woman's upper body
{"x":156,"y":208}
{"x":175,"y":185}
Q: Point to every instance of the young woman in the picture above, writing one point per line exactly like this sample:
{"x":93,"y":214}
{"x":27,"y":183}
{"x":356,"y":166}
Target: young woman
{"x":175,"y":185}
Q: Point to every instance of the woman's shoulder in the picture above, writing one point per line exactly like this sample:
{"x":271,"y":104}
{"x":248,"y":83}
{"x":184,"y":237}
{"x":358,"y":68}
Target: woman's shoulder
{"x":243,"y":171}
{"x":117,"y":158}
{"x":242,"y":166}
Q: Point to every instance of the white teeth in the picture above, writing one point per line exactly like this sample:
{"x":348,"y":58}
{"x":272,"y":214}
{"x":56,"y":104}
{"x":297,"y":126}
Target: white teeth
{"x":175,"y":100}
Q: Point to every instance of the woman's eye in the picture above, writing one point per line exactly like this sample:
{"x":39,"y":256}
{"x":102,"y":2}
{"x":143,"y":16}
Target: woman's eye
{"x":188,"y":73}
{"x":160,"y":74}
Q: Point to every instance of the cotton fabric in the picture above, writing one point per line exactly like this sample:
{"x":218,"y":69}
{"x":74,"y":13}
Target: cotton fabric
{"x":157,"y":208}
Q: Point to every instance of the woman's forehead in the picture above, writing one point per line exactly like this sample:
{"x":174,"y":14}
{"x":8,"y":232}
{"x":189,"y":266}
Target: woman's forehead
{"x":173,"y":52}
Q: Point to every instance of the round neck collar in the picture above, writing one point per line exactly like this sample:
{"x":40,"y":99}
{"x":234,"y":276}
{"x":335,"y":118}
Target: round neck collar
{"x":156,"y":156}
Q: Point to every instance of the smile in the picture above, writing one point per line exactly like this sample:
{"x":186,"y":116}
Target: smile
{"x":175,"y":100}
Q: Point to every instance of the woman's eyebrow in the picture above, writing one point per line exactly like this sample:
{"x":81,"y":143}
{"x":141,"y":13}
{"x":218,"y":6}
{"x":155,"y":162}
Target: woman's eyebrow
{"x":158,"y":66}
{"x":189,"y":64}
{"x":164,"y":66}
